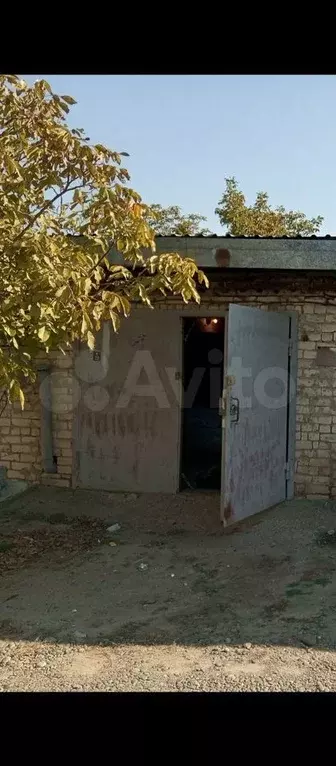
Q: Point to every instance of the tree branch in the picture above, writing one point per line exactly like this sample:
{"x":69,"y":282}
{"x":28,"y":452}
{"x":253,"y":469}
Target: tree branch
{"x":45,"y":207}
{"x":100,"y":259}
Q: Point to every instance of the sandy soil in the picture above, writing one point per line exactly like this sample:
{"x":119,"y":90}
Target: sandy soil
{"x":169,"y":601}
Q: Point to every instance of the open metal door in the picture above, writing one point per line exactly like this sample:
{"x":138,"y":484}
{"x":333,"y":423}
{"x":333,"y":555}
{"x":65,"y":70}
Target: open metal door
{"x":255,"y":412}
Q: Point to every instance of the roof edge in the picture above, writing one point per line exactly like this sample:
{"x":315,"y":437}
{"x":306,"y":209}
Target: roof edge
{"x":242,"y":236}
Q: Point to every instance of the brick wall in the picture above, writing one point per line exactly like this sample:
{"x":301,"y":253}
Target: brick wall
{"x":316,"y":402}
{"x":315,"y":469}
{"x":315,"y":473}
{"x":20,"y":448}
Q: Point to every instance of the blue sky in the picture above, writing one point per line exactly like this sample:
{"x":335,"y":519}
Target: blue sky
{"x":186,"y":133}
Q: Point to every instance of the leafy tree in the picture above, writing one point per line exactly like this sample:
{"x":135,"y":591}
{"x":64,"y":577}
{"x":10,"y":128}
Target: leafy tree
{"x":169,"y":221}
{"x":63,"y":204}
{"x":260,"y":218}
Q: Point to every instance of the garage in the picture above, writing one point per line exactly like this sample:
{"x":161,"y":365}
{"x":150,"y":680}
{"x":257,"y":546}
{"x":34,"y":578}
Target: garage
{"x":180,"y":400}
{"x":141,"y":413}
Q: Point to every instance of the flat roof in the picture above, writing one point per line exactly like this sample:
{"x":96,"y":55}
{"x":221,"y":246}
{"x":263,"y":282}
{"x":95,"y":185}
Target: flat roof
{"x":283,"y":253}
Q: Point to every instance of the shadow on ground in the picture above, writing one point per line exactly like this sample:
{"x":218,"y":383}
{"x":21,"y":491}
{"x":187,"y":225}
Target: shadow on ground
{"x":169,"y":575}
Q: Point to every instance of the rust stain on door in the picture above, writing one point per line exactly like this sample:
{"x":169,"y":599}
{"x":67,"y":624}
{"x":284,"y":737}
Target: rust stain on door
{"x":228,"y":511}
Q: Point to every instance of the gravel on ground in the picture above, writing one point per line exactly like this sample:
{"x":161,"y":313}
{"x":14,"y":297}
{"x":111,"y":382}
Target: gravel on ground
{"x":111,"y":592}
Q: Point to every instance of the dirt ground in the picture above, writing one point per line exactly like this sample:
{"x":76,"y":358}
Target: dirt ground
{"x":167,"y":602}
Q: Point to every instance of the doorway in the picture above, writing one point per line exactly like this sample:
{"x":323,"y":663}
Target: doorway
{"x":203,"y":353}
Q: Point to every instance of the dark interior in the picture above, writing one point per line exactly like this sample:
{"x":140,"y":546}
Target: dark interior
{"x":203,"y":345}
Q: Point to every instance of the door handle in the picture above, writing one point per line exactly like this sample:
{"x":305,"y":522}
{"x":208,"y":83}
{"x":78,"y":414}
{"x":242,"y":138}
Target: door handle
{"x":234,"y":409}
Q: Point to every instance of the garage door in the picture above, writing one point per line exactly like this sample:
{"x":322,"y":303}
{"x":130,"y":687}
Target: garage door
{"x":128,"y":417}
{"x":256,"y":399}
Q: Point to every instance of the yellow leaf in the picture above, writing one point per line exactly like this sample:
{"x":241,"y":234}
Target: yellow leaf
{"x":84,"y":326}
{"x":202,"y":278}
{"x":44,"y":334}
{"x":22,"y":398}
{"x":16,"y":392}
{"x":13,"y":79}
{"x":126,"y":306}
{"x":48,"y":261}
{"x":60,"y":291}
{"x":56,"y":255}
{"x":115,"y":301}
{"x":9,"y":331}
{"x":137,"y":210}
{"x":86,"y":322}
{"x":115,"y":320}
{"x":11,"y":166}
{"x":90,"y":340}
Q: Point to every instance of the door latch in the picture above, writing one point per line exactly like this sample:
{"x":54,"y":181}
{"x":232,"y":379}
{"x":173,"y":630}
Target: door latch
{"x":234,"y":409}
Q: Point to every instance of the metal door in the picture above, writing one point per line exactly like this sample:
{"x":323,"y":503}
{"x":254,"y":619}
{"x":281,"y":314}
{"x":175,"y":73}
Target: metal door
{"x":128,"y":418}
{"x":255,"y":412}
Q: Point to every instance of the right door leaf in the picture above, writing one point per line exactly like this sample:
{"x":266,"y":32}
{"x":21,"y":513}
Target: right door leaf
{"x":255,"y":433}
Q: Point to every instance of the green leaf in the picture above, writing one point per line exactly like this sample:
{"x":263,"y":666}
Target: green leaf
{"x":69,"y":99}
{"x":47,"y":86}
{"x":35,"y":311}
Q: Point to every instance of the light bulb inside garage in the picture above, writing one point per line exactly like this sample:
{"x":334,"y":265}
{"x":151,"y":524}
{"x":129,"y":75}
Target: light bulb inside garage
{"x":214,"y":321}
